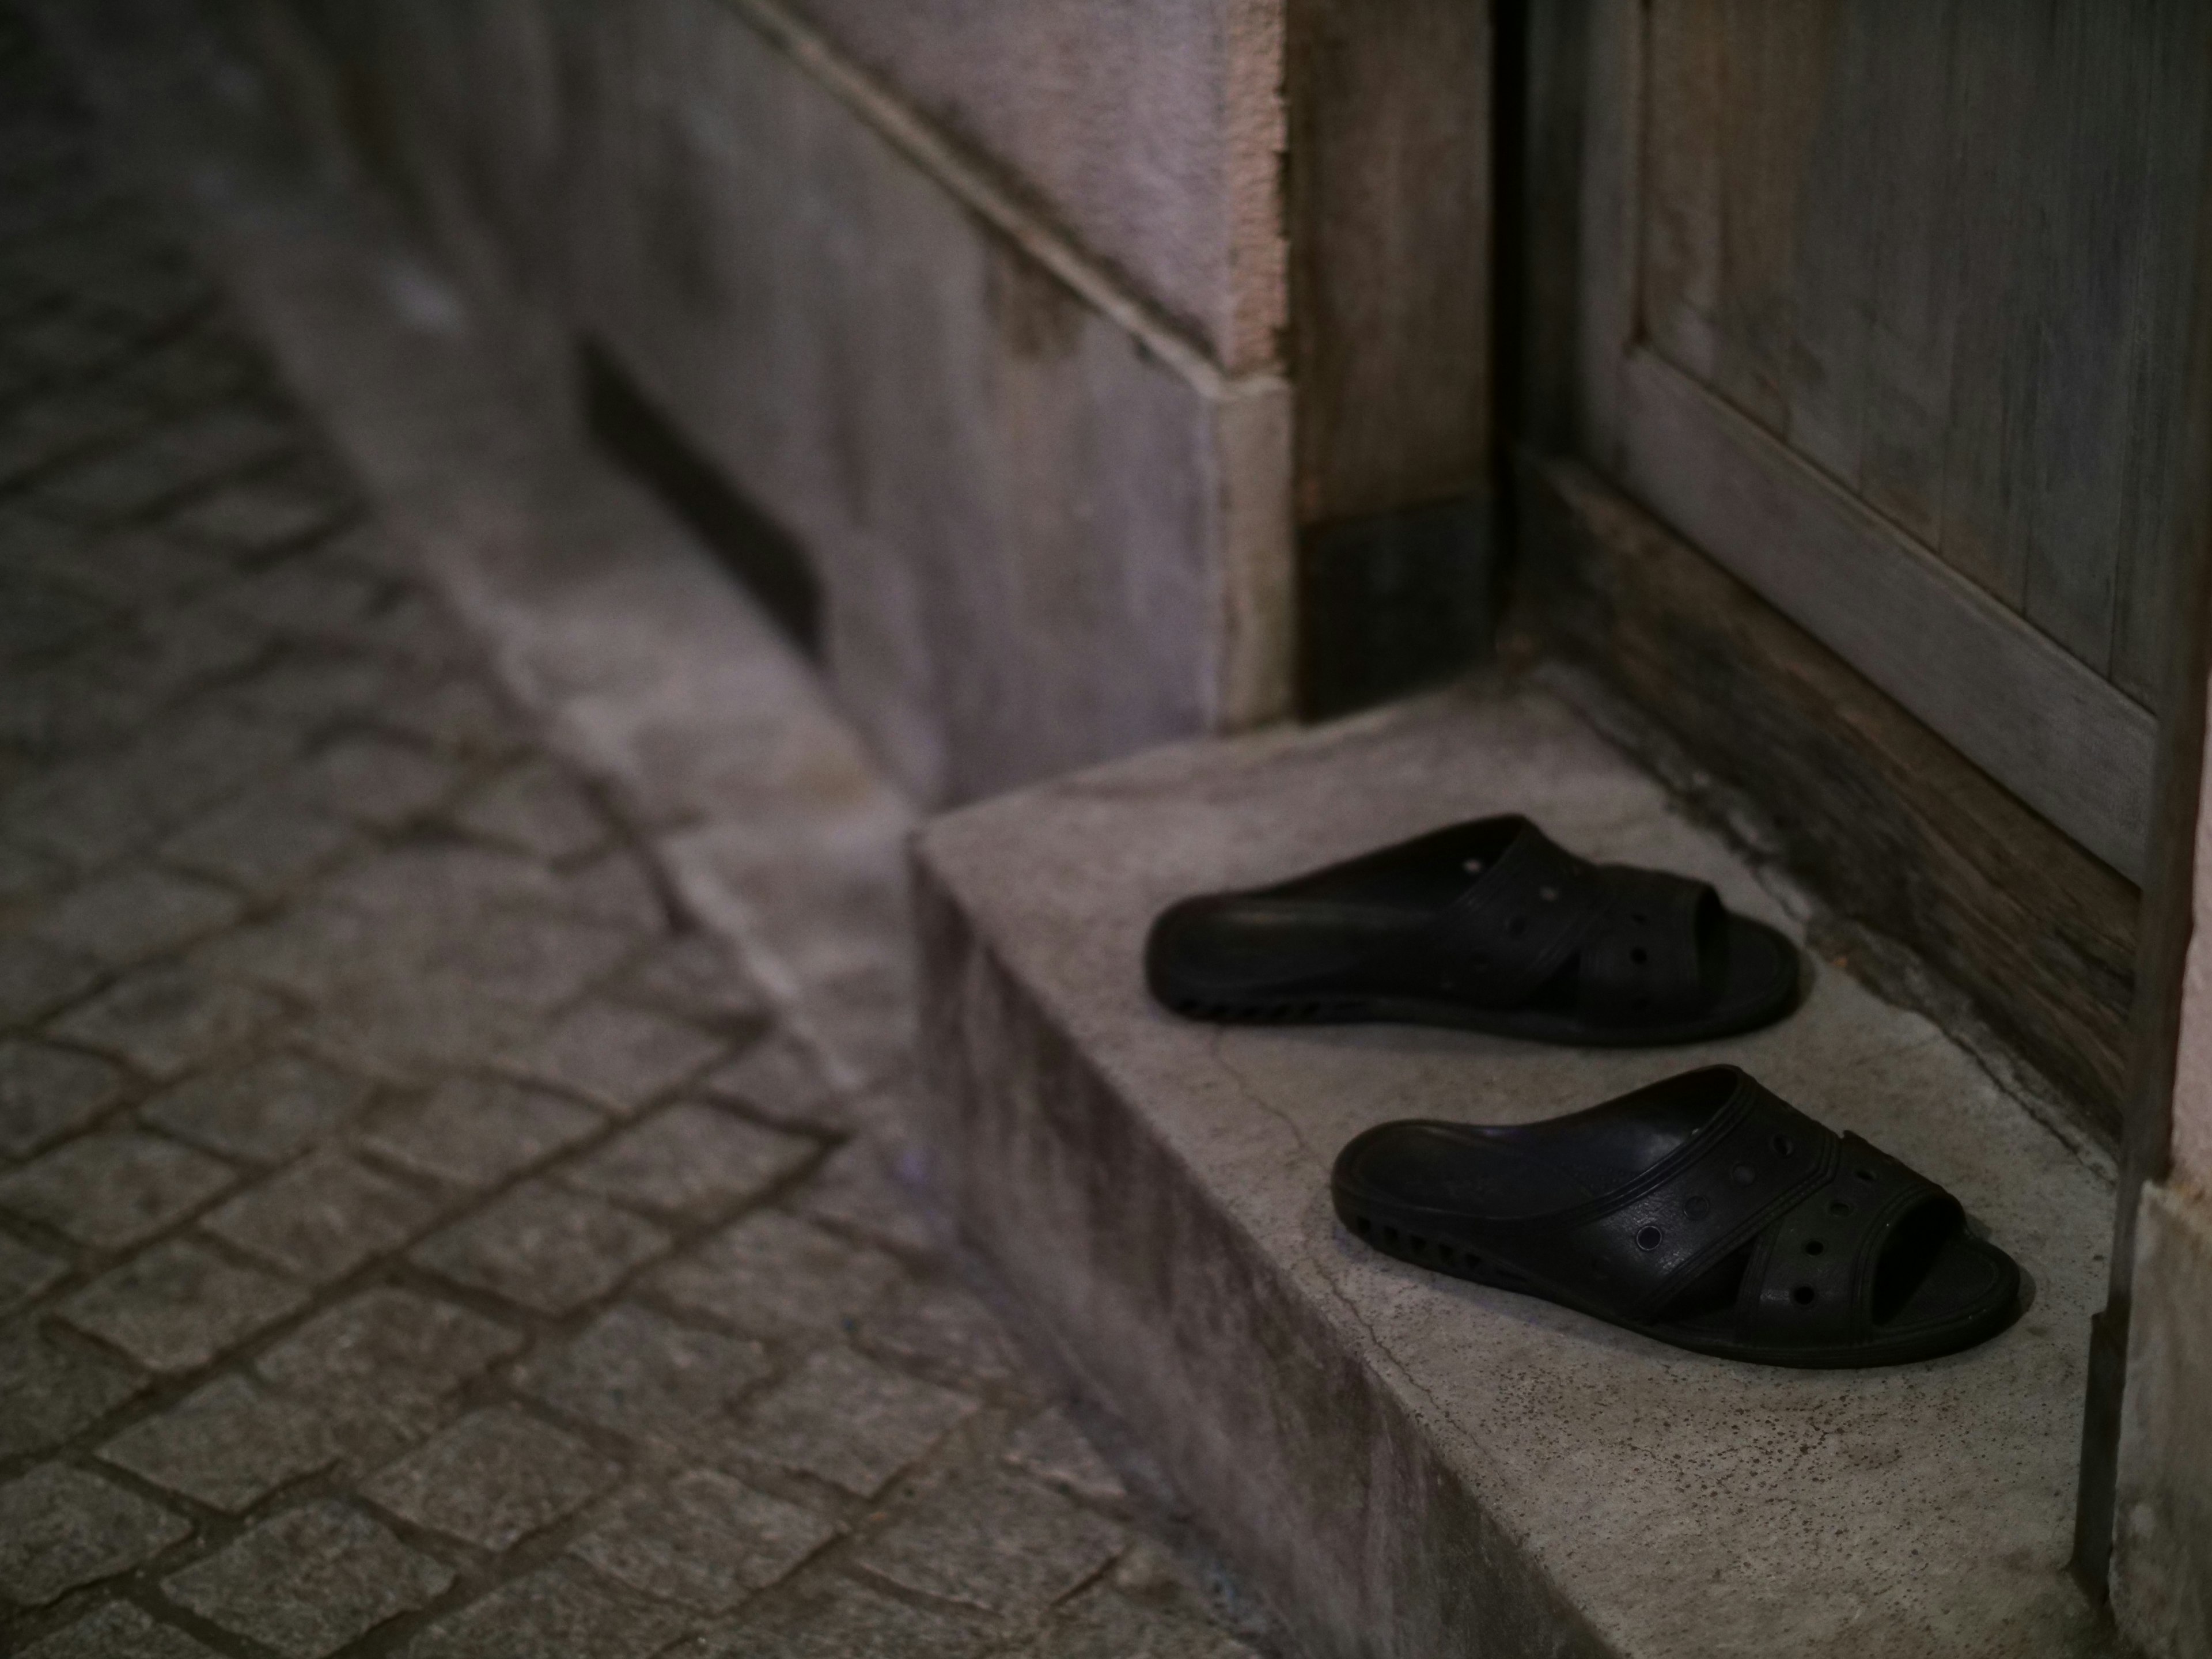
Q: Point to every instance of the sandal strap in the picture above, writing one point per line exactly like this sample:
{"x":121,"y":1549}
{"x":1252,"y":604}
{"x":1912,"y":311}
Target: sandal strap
{"x":1640,"y":961}
{"x":1633,"y":1250}
{"x":1517,"y":924}
{"x":1810,"y":1282}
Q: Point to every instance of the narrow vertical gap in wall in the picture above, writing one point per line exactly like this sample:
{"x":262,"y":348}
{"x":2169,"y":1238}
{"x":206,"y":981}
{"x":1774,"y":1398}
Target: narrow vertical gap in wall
{"x":649,"y":445}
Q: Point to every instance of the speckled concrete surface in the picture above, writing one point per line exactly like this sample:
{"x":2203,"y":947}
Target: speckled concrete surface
{"x":1405,"y":1460}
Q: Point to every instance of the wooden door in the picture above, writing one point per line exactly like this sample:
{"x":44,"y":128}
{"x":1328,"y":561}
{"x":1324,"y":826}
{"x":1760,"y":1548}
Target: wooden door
{"x":1884,"y":305}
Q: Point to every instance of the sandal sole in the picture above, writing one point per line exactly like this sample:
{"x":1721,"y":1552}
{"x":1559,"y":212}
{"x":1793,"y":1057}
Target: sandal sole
{"x":1414,"y":1243}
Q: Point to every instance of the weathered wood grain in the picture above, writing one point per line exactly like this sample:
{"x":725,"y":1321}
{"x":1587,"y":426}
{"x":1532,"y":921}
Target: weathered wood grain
{"x":2156,"y":534}
{"x":1390,"y":236}
{"x":1888,"y":822}
{"x":1681,"y":203}
{"x":2066,"y":741}
{"x":1774,"y":62}
{"x":1825,"y":371}
{"x":2077,"y":340}
{"x":1915,"y":255}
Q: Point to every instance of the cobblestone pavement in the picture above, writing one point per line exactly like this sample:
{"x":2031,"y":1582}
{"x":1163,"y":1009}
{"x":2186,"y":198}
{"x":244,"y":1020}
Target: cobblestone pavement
{"x":413,"y":1237}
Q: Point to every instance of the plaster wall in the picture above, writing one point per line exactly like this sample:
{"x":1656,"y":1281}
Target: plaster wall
{"x":1051,"y":524}
{"x":1153,"y":130}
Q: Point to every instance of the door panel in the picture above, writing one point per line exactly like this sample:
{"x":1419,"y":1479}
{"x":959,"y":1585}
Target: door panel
{"x":1911,"y":277}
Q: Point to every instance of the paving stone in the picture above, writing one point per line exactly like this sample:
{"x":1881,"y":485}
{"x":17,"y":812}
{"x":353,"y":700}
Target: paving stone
{"x":544,"y":1248}
{"x":377,"y":782}
{"x":616,"y":889}
{"x":410,"y":1032}
{"x":781,"y":1078}
{"x":263,"y":1112}
{"x":264,"y":843}
{"x":227,"y":1446}
{"x":772,"y":1275}
{"x":417,"y":631}
{"x":25,"y":1273}
{"x":459,"y":717}
{"x":855,"y":1194}
{"x":119,"y":1630}
{"x":164,"y":464}
{"x":46,"y":1093}
{"x":944,"y":1330}
{"x":310,"y":687}
{"x":168,"y":1019}
{"x":49,"y":1391}
{"x":639,"y":1373}
{"x":443,"y":881}
{"x":135,"y":912}
{"x":324,"y":1217}
{"x":1101,"y":1624}
{"x":835,"y":1618}
{"x":690,"y":1160}
{"x":178,"y":1306}
{"x":259,"y":516}
{"x":37,"y":976}
{"x":623,"y":1058}
{"x":535,"y":808}
{"x":39,"y":620}
{"x":137,"y":570}
{"x":313,"y":596}
{"x":695,"y":977}
{"x":704,"y":1540}
{"x":558,"y":1610}
{"x":493,"y":1478}
{"x":112,"y":1190}
{"x":60,"y":1527}
{"x":847,"y":1420}
{"x":1050,"y":1447}
{"x":475,"y":1133}
{"x":386,"y":1340}
{"x":992,"y":1541}
{"x":24,"y":874}
{"x":309,"y":1581}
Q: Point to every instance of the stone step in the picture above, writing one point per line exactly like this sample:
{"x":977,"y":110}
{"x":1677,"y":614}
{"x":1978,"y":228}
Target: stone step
{"x":1411,"y":1465}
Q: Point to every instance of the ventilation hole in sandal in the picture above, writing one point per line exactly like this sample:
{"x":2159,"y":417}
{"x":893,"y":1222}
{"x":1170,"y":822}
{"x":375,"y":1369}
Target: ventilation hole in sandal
{"x":1444,"y":1254}
{"x":1515,"y":927}
{"x":1390,"y":1235}
{"x":1417,"y":1244}
{"x":1743,"y":1175}
{"x":1864,"y":1175}
{"x":1641,"y":1005}
{"x":1802,"y":1296}
{"x":1639,"y":918}
{"x":1839,"y":1206}
{"x":1649,"y":1239}
{"x":1639,"y":955}
{"x":1782,"y":1145}
{"x":1362,"y":1225}
{"x":1696,"y":1207}
{"x":1813,"y":1247}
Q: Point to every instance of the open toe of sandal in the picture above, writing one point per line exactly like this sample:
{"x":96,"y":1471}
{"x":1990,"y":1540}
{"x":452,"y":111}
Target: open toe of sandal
{"x":1703,"y":1212}
{"x":1487,"y":925}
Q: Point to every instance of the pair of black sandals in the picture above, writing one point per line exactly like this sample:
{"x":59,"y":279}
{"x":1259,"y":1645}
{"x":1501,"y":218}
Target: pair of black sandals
{"x":1702,"y":1211}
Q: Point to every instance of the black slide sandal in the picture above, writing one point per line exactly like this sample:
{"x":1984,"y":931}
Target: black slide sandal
{"x":1703,"y":1212}
{"x":1487,"y":926}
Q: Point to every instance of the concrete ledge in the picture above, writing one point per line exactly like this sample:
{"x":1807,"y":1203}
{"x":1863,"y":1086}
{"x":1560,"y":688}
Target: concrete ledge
{"x":1407,"y":1465}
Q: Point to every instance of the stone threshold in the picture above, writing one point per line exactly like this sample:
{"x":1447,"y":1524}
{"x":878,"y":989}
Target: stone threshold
{"x":1410,"y":1465}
